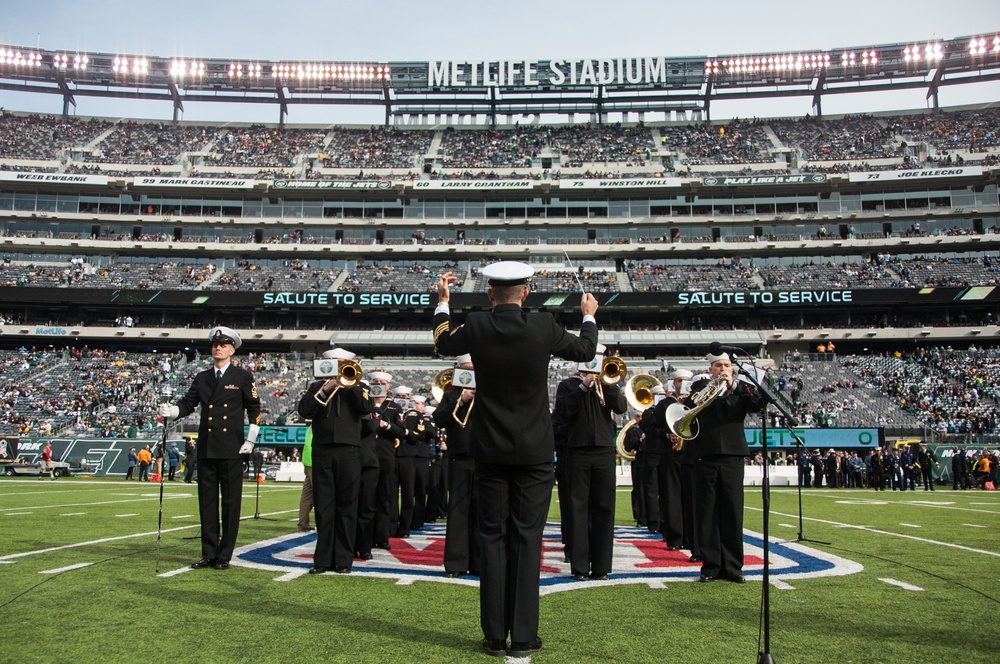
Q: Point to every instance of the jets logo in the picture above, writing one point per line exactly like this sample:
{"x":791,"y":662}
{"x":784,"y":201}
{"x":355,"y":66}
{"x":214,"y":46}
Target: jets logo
{"x":639,"y":557}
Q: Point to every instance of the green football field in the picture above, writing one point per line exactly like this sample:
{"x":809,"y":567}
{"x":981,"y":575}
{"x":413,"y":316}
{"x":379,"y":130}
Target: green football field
{"x":79,"y":583}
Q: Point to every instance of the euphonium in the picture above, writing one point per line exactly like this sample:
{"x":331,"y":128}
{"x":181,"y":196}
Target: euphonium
{"x":682,"y":421}
{"x":441,"y":383}
{"x":639,"y":391}
{"x":620,"y":442}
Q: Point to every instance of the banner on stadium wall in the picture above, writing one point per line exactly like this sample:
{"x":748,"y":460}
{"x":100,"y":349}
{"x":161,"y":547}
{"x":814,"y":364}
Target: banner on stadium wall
{"x":474,"y":184}
{"x":823,"y":439}
{"x":644,"y":183}
{"x":54,"y":178}
{"x":201,"y":183}
{"x":331,"y":184}
{"x":957,"y":172}
{"x":743,"y":180}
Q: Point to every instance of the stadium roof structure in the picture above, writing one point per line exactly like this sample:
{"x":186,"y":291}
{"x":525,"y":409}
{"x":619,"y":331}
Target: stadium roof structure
{"x":491,"y":88}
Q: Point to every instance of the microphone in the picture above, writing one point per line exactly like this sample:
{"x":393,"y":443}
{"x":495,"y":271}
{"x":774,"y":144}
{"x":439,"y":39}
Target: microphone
{"x":715,"y":348}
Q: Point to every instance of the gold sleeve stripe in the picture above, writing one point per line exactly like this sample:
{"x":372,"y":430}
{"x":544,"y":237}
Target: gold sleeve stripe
{"x":443,"y":327}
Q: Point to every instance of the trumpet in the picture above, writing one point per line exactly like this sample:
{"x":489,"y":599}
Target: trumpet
{"x":683,"y":421}
{"x":639,"y":391}
{"x":613,"y":370}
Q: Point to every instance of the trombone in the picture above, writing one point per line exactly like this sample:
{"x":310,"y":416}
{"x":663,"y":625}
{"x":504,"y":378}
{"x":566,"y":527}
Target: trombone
{"x":348,"y":375}
{"x":613,"y":372}
{"x":441,"y":384}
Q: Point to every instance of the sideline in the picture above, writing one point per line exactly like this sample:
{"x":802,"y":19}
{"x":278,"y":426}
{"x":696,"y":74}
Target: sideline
{"x":995,"y":554}
{"x":14,"y":556}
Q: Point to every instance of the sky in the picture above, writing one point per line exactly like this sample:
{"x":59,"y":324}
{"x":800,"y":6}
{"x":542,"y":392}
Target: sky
{"x":393,"y":30}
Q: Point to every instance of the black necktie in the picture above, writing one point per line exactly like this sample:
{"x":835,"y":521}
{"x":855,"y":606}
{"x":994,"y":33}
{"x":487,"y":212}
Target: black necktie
{"x":218,"y":374}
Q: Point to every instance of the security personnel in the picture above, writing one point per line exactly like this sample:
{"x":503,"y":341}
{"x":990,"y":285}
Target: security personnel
{"x":461,"y":544}
{"x":224,"y":393}
{"x":587,"y":407}
{"x":720,"y":456}
{"x":512,"y":442}
{"x":337,"y":407}
{"x":390,"y":431}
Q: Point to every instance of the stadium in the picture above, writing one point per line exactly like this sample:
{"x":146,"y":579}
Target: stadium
{"x":853,"y":256}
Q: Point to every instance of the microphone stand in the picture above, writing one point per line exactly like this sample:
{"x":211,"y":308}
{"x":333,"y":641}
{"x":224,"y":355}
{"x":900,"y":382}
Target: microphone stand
{"x":801,"y":446}
{"x":258,"y":463}
{"x":764,"y":655}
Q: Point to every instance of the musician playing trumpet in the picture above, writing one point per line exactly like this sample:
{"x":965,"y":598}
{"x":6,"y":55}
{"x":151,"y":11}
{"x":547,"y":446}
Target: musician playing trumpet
{"x":720,"y":449}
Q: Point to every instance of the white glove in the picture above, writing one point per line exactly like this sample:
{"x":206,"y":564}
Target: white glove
{"x":247,"y":448}
{"x":168,"y":411}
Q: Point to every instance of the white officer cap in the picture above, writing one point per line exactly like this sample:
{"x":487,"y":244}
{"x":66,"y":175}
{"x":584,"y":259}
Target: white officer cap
{"x":402,"y":389}
{"x":225,"y":335}
{"x":338,"y":354}
{"x":380,"y":375}
{"x":508,"y":273}
{"x":683,"y":374}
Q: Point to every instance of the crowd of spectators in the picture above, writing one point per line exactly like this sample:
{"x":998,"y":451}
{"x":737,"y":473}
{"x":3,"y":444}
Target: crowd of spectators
{"x":376,"y":147}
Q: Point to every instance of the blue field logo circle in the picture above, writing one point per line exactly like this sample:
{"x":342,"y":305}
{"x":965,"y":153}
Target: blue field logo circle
{"x":640,"y":557}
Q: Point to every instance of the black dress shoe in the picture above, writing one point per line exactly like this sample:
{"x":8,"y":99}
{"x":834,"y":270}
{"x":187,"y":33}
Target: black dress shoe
{"x":736,"y":579}
{"x":365,"y":556}
{"x":694,"y":559}
{"x":204,"y":562}
{"x":222,"y":564}
{"x":454,"y":575}
{"x":523,"y":649}
{"x":384,"y":545}
{"x":342,"y":570}
{"x":598,"y":577}
{"x":579,"y":577}
{"x":497,"y":648}
{"x":403,"y":535}
{"x":319,"y":570}
{"x":673,"y":548}
{"x":706,"y":578}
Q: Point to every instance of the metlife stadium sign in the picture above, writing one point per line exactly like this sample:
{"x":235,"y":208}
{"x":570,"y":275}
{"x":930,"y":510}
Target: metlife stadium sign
{"x":649,"y":71}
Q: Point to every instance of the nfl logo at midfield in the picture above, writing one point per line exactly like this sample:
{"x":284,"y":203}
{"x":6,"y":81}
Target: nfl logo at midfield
{"x":639,"y":557}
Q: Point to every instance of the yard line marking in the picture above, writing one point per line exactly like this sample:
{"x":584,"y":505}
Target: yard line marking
{"x":65,"y":569}
{"x":932,"y":503}
{"x":990,"y":504}
{"x":291,"y":576}
{"x":183,"y":516}
{"x":175,"y":572}
{"x":101,"y":502}
{"x":910,"y":525}
{"x":786,"y":525}
{"x":73,"y":514}
{"x":781,"y":585}
{"x":13,"y":556}
{"x":18,"y":513}
{"x":973,"y":525}
{"x":904,"y":586}
{"x":125,"y":515}
{"x":837,"y":524}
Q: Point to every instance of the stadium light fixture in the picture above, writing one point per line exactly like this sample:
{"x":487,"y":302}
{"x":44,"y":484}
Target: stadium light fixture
{"x":769,"y":64}
{"x":868,"y":57}
{"x":239,"y":70}
{"x":19,"y":59}
{"x":123,"y":65}
{"x":930,"y":52}
{"x":326,"y":71}
{"x":984,"y":45}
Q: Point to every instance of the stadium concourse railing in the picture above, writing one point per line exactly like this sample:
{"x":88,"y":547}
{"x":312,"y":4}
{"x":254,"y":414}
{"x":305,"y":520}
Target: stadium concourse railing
{"x":633,"y":249}
{"x":778,"y":342}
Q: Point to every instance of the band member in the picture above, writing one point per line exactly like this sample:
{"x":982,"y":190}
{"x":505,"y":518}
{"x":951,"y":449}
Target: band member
{"x":337,"y":408}
{"x":512,"y":442}
{"x":719,"y":460}
{"x":406,"y":461}
{"x":655,"y":446}
{"x":671,"y":492}
{"x":437,"y":501}
{"x":633,"y":444}
{"x":461,"y":544}
{"x":390,"y":431}
{"x":224,"y":392}
{"x":367,"y":495}
{"x":587,"y":407}
{"x":423,"y":432}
